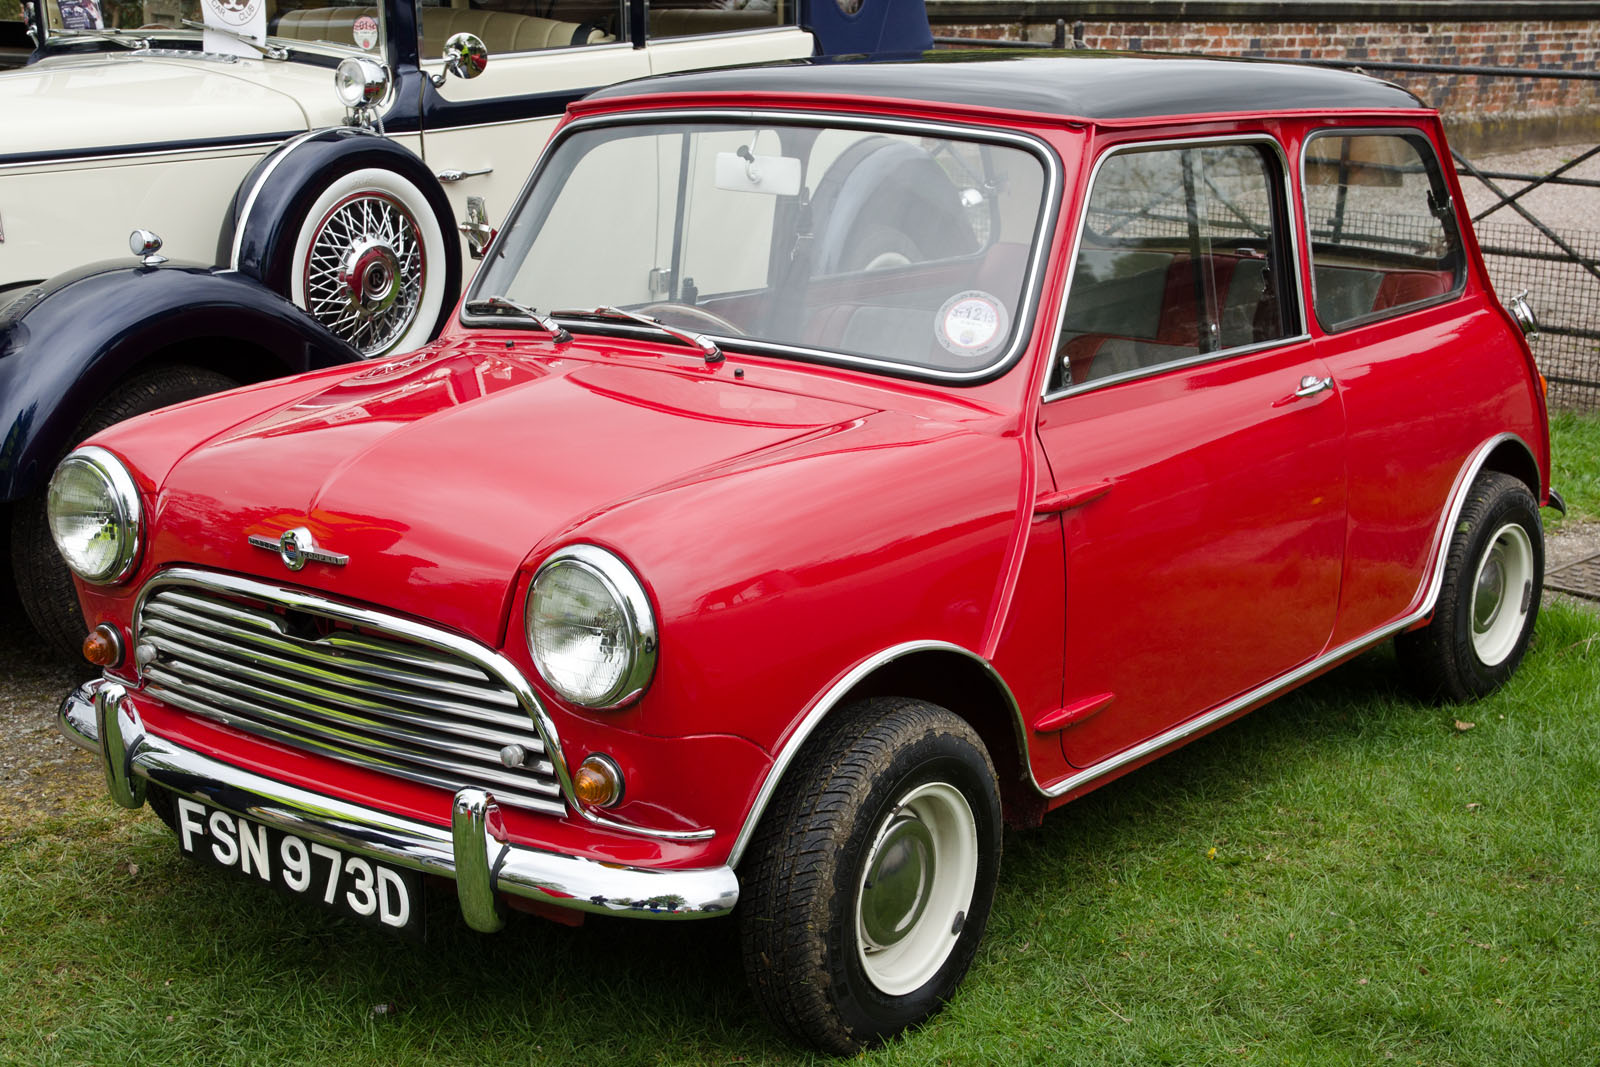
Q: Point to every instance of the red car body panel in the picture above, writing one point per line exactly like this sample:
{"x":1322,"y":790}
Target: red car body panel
{"x":794,"y":523}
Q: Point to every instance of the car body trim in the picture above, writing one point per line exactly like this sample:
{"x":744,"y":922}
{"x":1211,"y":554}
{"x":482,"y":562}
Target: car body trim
{"x":167,"y":148}
{"x":279,"y":155}
{"x":830,"y":699}
{"x":1427,"y":595}
{"x":554,"y":878}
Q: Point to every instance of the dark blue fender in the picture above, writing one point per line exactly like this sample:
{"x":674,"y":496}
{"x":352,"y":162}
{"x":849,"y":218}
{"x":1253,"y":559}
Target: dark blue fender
{"x":66,"y":343}
{"x":878,"y":26}
{"x":275,"y":196}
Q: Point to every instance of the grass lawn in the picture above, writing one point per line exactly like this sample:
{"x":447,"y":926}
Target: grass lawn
{"x":1345,"y":876}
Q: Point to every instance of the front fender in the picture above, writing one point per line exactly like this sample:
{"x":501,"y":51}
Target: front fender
{"x":65,"y":345}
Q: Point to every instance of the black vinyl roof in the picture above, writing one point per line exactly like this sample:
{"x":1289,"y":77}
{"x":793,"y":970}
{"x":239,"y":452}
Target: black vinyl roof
{"x":1090,"y":85}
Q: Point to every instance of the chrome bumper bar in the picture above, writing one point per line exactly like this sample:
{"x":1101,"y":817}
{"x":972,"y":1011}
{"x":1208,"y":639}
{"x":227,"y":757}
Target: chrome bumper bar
{"x":102,"y":716}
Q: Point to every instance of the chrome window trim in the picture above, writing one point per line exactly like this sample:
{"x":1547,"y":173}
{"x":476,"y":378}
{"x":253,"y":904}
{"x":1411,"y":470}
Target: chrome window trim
{"x":1044,"y":228}
{"x":1408,"y":133}
{"x":492,"y":662}
{"x":1291,"y":227}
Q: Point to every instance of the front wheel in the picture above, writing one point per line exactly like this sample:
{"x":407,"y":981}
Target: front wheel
{"x":869,"y":886}
{"x":1489,"y":601}
{"x":370,"y":262}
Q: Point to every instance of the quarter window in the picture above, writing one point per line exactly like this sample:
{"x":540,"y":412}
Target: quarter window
{"x":1179,"y":259}
{"x":1383,"y":230}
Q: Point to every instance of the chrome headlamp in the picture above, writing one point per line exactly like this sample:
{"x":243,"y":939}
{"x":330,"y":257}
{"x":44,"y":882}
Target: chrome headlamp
{"x":590,"y":627}
{"x":360,"y":83}
{"x":95,"y":517}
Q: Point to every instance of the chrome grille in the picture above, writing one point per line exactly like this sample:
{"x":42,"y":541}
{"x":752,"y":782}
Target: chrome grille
{"x":308,"y":677}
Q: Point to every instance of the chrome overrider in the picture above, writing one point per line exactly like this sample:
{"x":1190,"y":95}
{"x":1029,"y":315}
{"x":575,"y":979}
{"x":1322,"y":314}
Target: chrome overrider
{"x":103,"y":717}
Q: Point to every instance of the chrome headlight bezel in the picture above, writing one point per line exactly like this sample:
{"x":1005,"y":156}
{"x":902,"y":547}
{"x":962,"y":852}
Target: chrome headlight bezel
{"x":361,"y":83}
{"x":632,"y":603}
{"x":122,"y":500}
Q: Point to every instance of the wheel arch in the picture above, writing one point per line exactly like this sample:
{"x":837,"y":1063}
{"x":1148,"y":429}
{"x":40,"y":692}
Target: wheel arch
{"x":1513,"y":456}
{"x":940,"y":673}
{"x":69,"y":350}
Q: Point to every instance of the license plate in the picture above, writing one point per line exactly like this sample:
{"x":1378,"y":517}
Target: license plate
{"x":354,"y":886}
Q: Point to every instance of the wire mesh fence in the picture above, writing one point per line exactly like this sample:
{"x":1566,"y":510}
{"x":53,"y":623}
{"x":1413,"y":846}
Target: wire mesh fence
{"x":1565,"y":294}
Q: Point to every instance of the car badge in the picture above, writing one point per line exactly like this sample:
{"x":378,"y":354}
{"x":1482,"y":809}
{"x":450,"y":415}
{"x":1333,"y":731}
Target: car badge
{"x":296,"y":548}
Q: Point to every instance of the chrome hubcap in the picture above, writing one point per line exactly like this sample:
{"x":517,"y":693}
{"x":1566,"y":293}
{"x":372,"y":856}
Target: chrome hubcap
{"x":1502,"y":594}
{"x":898,"y":876}
{"x":365,"y":271}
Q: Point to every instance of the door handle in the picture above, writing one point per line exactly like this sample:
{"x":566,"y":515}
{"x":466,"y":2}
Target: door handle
{"x":1311,"y":385}
{"x":453,"y":175}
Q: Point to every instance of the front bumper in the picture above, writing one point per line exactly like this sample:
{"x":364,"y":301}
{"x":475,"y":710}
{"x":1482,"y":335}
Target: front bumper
{"x":102,"y":716}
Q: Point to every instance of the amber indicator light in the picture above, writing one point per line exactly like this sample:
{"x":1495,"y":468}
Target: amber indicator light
{"x":598,"y":782}
{"x":103,"y":647}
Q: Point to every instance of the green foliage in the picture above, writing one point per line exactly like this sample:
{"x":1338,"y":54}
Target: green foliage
{"x":1575,"y":461}
{"x":11,"y":10}
{"x":1343,"y":877}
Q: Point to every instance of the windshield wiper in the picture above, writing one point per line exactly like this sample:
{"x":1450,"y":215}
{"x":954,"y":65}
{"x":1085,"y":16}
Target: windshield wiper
{"x":271,"y":51}
{"x":115,"y":36}
{"x":496,"y":304}
{"x":708,"y":348}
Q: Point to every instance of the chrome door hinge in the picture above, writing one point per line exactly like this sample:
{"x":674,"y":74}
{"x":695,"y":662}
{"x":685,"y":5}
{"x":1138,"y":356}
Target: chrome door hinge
{"x":476,"y":228}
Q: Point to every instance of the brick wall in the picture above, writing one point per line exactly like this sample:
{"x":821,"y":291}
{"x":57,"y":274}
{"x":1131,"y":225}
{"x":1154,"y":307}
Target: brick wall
{"x":1481,"y":111}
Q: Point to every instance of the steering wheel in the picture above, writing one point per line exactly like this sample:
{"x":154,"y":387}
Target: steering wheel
{"x":691,"y":317}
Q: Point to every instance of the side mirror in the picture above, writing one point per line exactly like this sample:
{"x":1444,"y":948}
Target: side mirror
{"x":464,"y":56}
{"x":1522,"y":312}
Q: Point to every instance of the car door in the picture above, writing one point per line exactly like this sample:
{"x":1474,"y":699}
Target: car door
{"x":482,"y":136}
{"x":1196,"y":446}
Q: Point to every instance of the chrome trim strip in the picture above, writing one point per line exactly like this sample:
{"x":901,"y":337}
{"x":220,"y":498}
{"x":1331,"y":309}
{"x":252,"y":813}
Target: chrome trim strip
{"x":1293,"y":219}
{"x":549,"y":877}
{"x":831,"y":697}
{"x":242,"y":223}
{"x":1032,"y":289}
{"x":137,"y":153}
{"x":1428,"y":591}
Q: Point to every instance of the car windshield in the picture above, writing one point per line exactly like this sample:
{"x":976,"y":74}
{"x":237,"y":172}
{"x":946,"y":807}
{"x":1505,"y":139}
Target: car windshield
{"x":874,"y":245}
{"x":343,"y":22}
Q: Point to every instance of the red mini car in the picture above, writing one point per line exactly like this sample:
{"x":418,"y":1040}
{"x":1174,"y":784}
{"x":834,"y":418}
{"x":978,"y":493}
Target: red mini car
{"x":829,"y":465}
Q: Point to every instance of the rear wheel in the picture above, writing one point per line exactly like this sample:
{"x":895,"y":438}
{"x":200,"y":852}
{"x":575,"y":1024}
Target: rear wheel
{"x":869,"y":886}
{"x":1489,"y":601}
{"x":44,"y":585}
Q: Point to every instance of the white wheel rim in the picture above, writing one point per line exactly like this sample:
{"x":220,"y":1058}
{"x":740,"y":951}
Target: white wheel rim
{"x":1502,"y":591}
{"x":923,"y":868}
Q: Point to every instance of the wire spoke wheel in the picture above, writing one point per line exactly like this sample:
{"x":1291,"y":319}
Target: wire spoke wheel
{"x":365,"y":271}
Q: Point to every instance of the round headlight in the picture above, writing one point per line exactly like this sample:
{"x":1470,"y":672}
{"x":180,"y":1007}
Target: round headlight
{"x":93,"y":508}
{"x":590,"y":627}
{"x":360,"y":82}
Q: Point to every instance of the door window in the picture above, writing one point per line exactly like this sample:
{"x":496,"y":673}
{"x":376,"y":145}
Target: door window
{"x":1179,"y":259}
{"x":510,"y":26}
{"x":1383,"y":229}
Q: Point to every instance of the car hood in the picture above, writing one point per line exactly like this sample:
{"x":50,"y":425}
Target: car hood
{"x":123,"y":100}
{"x":438,"y":474}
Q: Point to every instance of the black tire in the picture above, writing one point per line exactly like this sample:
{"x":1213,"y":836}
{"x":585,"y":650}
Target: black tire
{"x":43,"y":582}
{"x":1489,"y":602}
{"x":412,"y":257}
{"x":887,"y":780}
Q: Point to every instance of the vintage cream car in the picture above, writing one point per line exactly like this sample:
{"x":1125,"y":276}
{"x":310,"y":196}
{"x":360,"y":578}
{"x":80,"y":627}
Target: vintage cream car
{"x":333,"y":163}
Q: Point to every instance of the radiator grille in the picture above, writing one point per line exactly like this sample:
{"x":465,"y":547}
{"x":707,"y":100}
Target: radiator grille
{"x":361,"y":694}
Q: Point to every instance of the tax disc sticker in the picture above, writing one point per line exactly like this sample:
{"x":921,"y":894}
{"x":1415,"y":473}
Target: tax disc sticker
{"x":972,"y":323}
{"x":366,"y":32}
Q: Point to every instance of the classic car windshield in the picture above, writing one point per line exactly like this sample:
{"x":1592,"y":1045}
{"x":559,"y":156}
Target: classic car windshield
{"x":335,"y":21}
{"x":866,"y":244}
